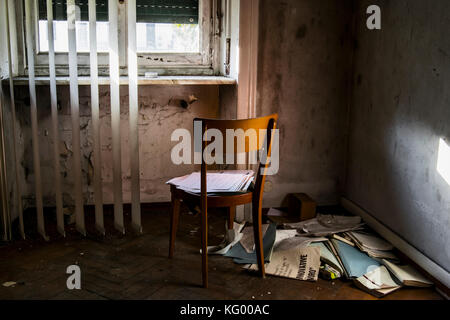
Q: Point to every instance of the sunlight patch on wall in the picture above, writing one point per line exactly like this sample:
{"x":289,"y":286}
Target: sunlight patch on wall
{"x":443,"y":163}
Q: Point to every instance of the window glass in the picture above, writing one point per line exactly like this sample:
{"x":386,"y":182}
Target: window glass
{"x":60,"y":30}
{"x":167,"y":25}
{"x":170,"y":26}
{"x":165,"y":37}
{"x":60,"y":35}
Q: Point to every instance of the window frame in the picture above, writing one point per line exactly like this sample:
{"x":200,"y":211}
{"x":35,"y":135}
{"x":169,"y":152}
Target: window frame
{"x":203,"y":63}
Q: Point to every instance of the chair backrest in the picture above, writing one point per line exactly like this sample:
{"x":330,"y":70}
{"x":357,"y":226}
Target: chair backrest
{"x":259,"y":129}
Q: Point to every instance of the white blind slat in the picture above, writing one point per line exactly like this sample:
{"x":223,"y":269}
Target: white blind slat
{"x":115,"y":114}
{"x":75,"y":114}
{"x":18,"y":198}
{"x":98,"y":193}
{"x":133,"y":118}
{"x":6,"y":213}
{"x":34,"y":122}
{"x":54,"y":107}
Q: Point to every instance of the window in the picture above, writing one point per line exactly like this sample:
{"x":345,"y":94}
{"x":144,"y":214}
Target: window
{"x":81,"y":26}
{"x":167,"y":26}
{"x":174,"y":37}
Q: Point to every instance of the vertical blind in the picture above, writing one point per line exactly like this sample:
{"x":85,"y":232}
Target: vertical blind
{"x":54,"y":108}
{"x":93,"y":11}
{"x":17,"y":189}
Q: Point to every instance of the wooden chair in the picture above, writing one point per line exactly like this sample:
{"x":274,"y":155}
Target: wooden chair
{"x":227,"y":201}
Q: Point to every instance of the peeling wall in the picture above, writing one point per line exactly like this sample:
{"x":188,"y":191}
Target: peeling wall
{"x":400,"y":111}
{"x":303,"y":74}
{"x":161,"y":112}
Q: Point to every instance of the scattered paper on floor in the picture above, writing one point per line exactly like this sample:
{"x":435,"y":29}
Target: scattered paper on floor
{"x":248,"y":238}
{"x":326,"y":224}
{"x":232,"y":237}
{"x":239,"y":255}
{"x":9,"y":283}
{"x":371,"y":241}
{"x":377,"y":282}
{"x":296,"y":242}
{"x":296,"y":263}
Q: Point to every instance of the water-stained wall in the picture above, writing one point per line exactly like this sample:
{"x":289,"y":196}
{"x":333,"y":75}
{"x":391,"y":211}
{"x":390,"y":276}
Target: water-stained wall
{"x":304,"y":65}
{"x":162,"y":109}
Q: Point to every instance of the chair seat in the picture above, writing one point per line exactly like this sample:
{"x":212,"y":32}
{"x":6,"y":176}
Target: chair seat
{"x":216,"y":200}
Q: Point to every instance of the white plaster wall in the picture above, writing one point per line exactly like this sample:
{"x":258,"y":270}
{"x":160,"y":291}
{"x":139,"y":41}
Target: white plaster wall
{"x":400,"y":111}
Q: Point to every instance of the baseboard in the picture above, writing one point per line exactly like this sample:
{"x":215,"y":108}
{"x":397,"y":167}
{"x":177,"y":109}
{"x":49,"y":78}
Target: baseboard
{"x":442,"y":293}
{"x":429,"y":266}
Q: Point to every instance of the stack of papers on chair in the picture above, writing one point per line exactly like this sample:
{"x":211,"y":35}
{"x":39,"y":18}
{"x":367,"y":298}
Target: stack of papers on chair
{"x":216,"y":182}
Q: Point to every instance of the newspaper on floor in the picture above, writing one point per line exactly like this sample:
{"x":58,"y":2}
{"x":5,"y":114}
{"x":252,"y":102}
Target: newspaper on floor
{"x":232,"y":236}
{"x":240,"y":256}
{"x":326,"y":224}
{"x":296,"y":242}
{"x":248,"y":238}
{"x":283,"y":234}
{"x":295,"y":263}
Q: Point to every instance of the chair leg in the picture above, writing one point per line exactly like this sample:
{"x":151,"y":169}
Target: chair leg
{"x":257,"y":220}
{"x":174,"y":224}
{"x":205,"y":248}
{"x":231,"y":215}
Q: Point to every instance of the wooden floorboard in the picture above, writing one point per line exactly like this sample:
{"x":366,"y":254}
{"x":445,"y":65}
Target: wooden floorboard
{"x":136,"y":267}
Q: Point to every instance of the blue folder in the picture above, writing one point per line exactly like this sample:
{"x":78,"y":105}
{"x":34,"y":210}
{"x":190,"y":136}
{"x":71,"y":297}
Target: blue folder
{"x":355,"y":262}
{"x":241,"y":256}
